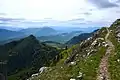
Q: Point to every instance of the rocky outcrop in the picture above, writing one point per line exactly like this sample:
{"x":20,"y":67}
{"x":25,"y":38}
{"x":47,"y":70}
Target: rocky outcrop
{"x":86,"y":47}
{"x":116,"y":24}
{"x":118,"y":33}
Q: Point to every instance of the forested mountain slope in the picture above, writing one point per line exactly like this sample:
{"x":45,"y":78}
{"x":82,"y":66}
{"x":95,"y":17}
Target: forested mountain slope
{"x":26,"y":56}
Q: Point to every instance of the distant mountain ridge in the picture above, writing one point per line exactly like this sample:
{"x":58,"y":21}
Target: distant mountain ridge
{"x":43,"y":34}
{"x":61,"y":37}
{"x":80,"y":38}
{"x":7,"y":34}
{"x":44,"y":31}
{"x":10,"y":35}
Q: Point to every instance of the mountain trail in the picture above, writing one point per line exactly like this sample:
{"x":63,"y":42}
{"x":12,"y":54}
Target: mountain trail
{"x":103,"y":73}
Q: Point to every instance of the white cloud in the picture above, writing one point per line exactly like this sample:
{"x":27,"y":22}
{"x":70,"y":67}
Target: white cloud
{"x":59,"y":12}
{"x":40,"y":9}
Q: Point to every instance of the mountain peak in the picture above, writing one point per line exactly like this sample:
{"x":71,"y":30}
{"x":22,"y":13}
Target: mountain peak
{"x":32,"y":36}
{"x":116,"y":23}
{"x":30,"y":39}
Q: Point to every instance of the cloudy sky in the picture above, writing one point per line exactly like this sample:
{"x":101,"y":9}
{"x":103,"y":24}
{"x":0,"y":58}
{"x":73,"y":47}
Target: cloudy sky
{"x":64,"y":13}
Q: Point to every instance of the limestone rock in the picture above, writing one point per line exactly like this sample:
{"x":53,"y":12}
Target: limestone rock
{"x":42,"y":69}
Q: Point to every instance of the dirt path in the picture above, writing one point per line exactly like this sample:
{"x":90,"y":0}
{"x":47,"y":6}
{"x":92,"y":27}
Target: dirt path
{"x":103,"y":73}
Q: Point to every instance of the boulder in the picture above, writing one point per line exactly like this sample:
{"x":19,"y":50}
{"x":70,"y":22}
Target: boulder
{"x":34,"y":75}
{"x":73,"y":63}
{"x":94,"y":43}
{"x":106,"y":45}
{"x":42,"y":69}
{"x":80,"y":76}
{"x":103,"y":43}
{"x":89,"y":38}
{"x":118,"y":60}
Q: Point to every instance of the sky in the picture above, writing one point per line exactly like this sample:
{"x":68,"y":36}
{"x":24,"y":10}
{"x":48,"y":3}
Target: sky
{"x":62,"y":13}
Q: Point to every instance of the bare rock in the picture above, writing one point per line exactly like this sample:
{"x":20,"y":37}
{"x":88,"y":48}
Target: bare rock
{"x":34,"y":75}
{"x":42,"y":69}
{"x":73,"y":63}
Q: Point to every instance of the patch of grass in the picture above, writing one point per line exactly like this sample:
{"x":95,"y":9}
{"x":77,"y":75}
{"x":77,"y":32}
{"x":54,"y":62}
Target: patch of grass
{"x":91,"y":65}
{"x":103,"y":32}
{"x":65,"y":54}
{"x":114,"y":65}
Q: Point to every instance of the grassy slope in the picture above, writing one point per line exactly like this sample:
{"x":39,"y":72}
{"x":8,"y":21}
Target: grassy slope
{"x":114,"y":65}
{"x":88,"y":67}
